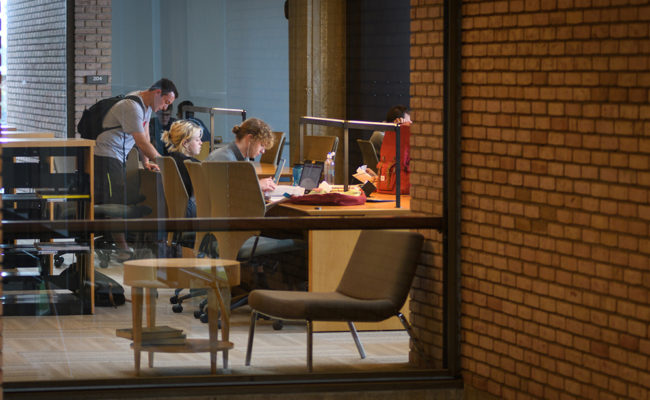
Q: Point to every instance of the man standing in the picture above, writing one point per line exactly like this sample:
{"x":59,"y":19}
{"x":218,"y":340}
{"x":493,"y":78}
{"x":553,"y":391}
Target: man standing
{"x":129,"y":123}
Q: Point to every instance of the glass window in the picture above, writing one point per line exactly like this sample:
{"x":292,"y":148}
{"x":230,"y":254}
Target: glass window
{"x":69,"y":296}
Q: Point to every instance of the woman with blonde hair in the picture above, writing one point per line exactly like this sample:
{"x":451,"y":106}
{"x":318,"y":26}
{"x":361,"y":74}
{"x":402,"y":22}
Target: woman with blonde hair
{"x":252,"y":138}
{"x":183,"y":142}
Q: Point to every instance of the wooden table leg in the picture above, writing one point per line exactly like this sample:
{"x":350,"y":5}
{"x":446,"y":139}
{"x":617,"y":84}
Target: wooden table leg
{"x":136,"y":312}
{"x":213,"y":329}
{"x":152,"y":293}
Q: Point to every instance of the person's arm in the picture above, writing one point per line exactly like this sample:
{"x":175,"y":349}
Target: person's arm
{"x":147,"y":150}
{"x":267,"y":184}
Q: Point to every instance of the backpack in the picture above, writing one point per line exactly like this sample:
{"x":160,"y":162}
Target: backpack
{"x":90,"y":124}
{"x":108,"y":292}
{"x":386,"y":167}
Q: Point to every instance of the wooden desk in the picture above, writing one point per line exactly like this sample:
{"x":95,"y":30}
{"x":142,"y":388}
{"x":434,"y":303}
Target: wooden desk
{"x":152,"y":274}
{"x":25,"y":134}
{"x":326,"y":271}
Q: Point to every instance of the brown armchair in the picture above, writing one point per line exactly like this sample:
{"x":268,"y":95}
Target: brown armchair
{"x":373,"y":288}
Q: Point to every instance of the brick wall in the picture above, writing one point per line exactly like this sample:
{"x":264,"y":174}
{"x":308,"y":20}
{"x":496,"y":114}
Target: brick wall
{"x":556,"y":183}
{"x":426,"y":165}
{"x":36,"y":82}
{"x":92,"y":51}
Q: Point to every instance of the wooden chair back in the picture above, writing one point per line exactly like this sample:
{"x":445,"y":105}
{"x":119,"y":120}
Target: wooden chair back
{"x":205,"y":151}
{"x":315,"y":148}
{"x":234,"y":192}
{"x":176,"y":196}
{"x":200,"y":185}
{"x":272,"y":155}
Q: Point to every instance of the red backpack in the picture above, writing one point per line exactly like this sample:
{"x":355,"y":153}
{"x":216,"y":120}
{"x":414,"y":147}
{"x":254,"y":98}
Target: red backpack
{"x":387,"y":168}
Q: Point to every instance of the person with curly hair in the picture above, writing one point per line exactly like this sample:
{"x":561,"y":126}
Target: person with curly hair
{"x":252,"y":138}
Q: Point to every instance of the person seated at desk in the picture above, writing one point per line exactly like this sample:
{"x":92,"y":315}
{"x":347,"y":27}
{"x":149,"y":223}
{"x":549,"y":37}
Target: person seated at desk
{"x":189,"y":115}
{"x":252,"y":138}
{"x":183,"y":142}
{"x":396,"y":114}
{"x":159,"y":123}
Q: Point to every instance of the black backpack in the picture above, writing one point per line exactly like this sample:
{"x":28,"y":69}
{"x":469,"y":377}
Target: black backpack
{"x":90,"y":124}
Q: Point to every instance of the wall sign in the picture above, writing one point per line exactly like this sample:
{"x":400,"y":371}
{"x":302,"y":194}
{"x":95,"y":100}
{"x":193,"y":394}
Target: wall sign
{"x":97,"y":79}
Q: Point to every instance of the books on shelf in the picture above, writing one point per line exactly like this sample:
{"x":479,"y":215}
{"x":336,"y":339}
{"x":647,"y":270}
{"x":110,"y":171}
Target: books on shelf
{"x":155,"y":335}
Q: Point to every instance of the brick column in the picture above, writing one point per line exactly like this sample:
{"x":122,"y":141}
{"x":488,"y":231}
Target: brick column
{"x":92,"y":51}
{"x":427,"y":169}
{"x":36,"y":57}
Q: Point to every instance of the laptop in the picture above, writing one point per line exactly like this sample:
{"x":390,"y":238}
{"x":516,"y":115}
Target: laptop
{"x":278,"y":171}
{"x":311,"y":174}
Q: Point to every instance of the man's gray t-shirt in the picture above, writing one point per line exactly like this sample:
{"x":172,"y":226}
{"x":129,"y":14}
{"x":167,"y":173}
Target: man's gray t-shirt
{"x":227,"y":153}
{"x":129,"y":117}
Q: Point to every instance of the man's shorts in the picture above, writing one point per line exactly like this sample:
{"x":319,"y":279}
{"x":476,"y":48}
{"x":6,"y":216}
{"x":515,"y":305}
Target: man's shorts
{"x":110,"y":177}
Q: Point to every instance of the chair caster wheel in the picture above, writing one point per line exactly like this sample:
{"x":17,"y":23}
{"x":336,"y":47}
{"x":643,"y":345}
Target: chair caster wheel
{"x":203,"y":317}
{"x":177,"y":308}
{"x":103,"y":264}
{"x":197,"y":314}
{"x":173,"y":299}
{"x":277,"y":325}
{"x":58,"y":261}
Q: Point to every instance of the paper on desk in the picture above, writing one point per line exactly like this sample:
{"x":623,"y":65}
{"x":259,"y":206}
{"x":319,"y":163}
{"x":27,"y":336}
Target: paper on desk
{"x":280,"y":190}
{"x":365,"y":174}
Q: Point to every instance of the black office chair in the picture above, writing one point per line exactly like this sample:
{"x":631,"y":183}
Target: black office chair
{"x":104,"y":245}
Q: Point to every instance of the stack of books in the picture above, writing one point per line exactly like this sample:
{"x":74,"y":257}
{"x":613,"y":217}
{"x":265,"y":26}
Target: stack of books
{"x":157,"y":335}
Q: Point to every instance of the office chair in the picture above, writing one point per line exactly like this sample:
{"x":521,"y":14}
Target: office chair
{"x":231,"y":189}
{"x":368,"y":153}
{"x":104,"y":246}
{"x":374,"y":287}
{"x":182,"y":244}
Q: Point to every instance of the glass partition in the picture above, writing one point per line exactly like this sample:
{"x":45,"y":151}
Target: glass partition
{"x":79,"y":313}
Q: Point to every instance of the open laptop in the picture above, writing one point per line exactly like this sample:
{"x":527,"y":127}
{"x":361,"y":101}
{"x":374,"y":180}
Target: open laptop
{"x":278,"y":171}
{"x":309,"y":179}
{"x":311,"y":174}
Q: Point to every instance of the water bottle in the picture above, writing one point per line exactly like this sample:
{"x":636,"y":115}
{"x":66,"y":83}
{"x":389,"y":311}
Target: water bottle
{"x":326,"y":169}
{"x":329,"y":169}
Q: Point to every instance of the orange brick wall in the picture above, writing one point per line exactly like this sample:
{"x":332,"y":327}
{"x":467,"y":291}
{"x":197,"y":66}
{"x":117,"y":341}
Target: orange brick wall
{"x":426,"y":170}
{"x":555,"y":192}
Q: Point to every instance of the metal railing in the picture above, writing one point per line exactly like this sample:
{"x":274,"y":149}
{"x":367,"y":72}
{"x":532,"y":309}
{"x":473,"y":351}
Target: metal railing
{"x":212,"y":111}
{"x":346,"y":125}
